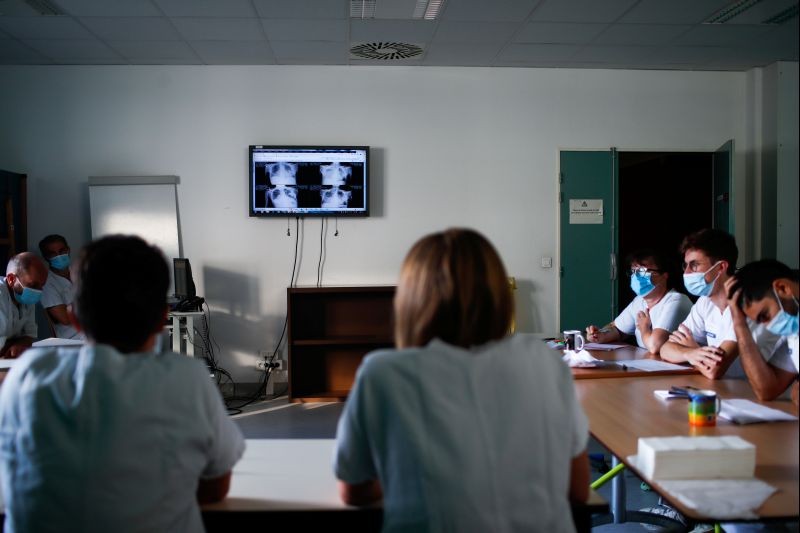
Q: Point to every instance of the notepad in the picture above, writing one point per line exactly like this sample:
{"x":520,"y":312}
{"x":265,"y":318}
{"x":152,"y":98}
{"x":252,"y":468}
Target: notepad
{"x":741,"y":411}
{"x":54,"y":341}
{"x":604,"y":347}
{"x":651,"y":365}
{"x":665,"y":395}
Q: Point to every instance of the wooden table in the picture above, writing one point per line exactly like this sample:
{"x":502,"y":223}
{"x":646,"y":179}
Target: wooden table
{"x":622,"y":410}
{"x":290,"y":482}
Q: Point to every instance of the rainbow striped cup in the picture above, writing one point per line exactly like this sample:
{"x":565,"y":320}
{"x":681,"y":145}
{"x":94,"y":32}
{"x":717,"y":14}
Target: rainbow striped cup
{"x":703,"y":408}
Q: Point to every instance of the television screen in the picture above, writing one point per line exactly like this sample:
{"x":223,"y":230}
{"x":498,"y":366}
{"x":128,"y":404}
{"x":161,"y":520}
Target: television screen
{"x":309,"y":180}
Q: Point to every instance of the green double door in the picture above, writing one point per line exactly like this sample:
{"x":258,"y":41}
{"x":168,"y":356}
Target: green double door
{"x":591,"y":268}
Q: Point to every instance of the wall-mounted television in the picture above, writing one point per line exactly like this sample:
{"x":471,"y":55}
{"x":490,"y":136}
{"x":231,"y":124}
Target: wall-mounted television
{"x":290,"y":181}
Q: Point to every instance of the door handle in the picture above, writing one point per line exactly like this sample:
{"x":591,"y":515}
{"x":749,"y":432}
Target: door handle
{"x":613,"y":266}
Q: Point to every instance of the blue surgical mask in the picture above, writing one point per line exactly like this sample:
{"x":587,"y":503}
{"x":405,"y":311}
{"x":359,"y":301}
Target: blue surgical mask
{"x":641,"y":283}
{"x":783,"y":323}
{"x":59,"y":262}
{"x":28,"y":296}
{"x":696,"y":282}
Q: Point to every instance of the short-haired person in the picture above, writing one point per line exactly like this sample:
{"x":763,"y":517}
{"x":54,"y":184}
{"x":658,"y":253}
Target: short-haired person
{"x":462,"y":428}
{"x":26,"y":275}
{"x":58,"y":292}
{"x":112,"y":436}
{"x":656,"y":310}
{"x":706,"y":338}
{"x":766,"y":292}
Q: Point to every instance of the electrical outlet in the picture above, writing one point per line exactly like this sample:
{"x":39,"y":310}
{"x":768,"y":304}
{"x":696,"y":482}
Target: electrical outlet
{"x":264,"y":357}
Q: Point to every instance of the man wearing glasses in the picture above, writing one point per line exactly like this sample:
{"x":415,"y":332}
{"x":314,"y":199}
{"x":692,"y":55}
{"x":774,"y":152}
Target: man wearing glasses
{"x":656,"y":310}
{"x":706,"y":338}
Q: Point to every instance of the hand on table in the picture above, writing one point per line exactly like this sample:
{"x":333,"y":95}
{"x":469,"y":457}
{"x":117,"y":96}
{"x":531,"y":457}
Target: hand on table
{"x":706,"y":359}
{"x":684,"y":337}
{"x":592,"y":333}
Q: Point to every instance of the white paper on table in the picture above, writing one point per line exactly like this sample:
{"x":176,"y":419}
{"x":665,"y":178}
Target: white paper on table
{"x":55,"y":341}
{"x":577,"y":359}
{"x":604,"y":347}
{"x":665,"y":395}
{"x":742,"y":411}
{"x":719,"y":499}
{"x":651,"y":365}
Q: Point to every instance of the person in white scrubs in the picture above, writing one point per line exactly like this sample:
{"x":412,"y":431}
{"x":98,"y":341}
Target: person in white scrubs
{"x":462,"y":428}
{"x":765,"y":293}
{"x":656,"y":310}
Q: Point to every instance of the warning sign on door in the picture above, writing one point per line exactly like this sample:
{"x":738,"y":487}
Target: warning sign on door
{"x":586,"y":211}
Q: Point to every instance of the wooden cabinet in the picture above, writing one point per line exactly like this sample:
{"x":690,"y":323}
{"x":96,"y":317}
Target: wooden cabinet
{"x":331,"y":329}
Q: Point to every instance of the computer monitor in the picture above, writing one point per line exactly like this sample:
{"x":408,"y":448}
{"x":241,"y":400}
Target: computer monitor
{"x":184,"y":284}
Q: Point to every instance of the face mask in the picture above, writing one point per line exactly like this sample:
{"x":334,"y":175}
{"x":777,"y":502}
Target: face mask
{"x":59,"y":262}
{"x":783,"y":323}
{"x":641,"y":284}
{"x":28,"y":296}
{"x":696,"y":282}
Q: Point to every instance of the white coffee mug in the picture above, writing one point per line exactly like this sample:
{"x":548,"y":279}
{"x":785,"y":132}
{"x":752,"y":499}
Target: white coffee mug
{"x":573,"y":340}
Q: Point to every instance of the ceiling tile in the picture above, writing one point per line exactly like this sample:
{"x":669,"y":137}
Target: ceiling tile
{"x":305,"y":30}
{"x":219,"y":29}
{"x":131,"y":28}
{"x":759,"y":12}
{"x":538,"y":52}
{"x":450,"y":31}
{"x":303,"y":9}
{"x":59,"y":49}
{"x":15,"y":52}
{"x":44,"y":28}
{"x":641,"y":34}
{"x":306,"y":52}
{"x":686,"y":54}
{"x":233,"y":52}
{"x":153,"y":50}
{"x":673,"y":11}
{"x":462,"y":54}
{"x":483,"y":11}
{"x":408,"y":31}
{"x":109,"y":8}
{"x":613,"y":54}
{"x":207,"y":8}
{"x":586,"y":11}
{"x":16,"y":8}
{"x":558,"y":32}
{"x":722,"y":35}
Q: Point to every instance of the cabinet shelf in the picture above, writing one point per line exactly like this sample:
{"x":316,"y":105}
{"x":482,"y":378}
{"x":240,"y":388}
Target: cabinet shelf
{"x":330,"y":330}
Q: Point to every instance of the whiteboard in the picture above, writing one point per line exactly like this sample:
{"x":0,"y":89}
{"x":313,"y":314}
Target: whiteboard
{"x":146,"y":206}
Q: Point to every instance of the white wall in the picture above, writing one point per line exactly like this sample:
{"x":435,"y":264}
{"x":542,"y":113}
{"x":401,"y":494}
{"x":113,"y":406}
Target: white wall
{"x":451,"y":146}
{"x":772,"y":160}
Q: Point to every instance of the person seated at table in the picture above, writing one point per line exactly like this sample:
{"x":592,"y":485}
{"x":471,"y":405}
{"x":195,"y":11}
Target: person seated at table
{"x":462,"y":428}
{"x":766,"y":293}
{"x":58,"y":292}
{"x":706,"y":338}
{"x":111,"y":436}
{"x":26,"y":275}
{"x":656,"y":310}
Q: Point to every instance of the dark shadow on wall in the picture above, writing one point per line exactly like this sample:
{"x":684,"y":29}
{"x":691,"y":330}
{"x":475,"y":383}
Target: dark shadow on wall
{"x":236,"y":322}
{"x":527,"y":319}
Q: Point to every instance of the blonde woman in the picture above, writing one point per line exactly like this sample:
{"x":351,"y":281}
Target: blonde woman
{"x":462,"y":428}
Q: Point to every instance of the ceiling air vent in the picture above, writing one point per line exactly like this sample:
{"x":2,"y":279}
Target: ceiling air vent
{"x":385,"y":51}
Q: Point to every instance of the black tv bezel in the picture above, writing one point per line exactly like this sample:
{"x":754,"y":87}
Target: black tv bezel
{"x":250,"y":185}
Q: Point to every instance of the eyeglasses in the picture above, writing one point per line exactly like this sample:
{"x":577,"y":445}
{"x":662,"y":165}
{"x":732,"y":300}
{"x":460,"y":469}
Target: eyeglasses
{"x":643,"y":270}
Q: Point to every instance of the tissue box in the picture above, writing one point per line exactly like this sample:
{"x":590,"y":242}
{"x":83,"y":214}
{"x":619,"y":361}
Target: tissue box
{"x":696,"y":457}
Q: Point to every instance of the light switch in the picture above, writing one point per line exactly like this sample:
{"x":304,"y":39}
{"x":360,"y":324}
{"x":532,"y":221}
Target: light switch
{"x":547,"y":262}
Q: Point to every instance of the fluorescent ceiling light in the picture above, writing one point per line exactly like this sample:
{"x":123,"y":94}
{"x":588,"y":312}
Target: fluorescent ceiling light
{"x":396,"y":9}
